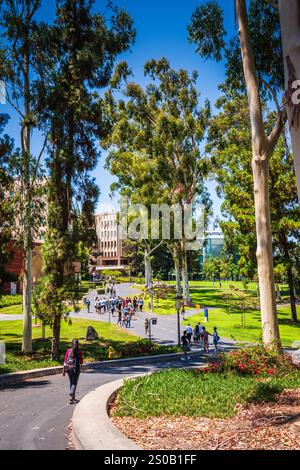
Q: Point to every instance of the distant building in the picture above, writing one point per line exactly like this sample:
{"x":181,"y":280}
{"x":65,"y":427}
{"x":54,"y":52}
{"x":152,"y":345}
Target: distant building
{"x":213,"y":246}
{"x":110,"y":246}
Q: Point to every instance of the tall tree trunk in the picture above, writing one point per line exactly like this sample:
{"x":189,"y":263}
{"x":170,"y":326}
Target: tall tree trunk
{"x":290,"y":30}
{"x":26,"y":187}
{"x":148,"y":269}
{"x":291,"y":284}
{"x":264,"y":253}
{"x":262,"y":149}
{"x":27,"y":318}
{"x":55,"y":338}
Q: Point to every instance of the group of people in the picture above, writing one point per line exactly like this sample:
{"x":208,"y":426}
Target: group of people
{"x":199,"y":336}
{"x":124,"y":307}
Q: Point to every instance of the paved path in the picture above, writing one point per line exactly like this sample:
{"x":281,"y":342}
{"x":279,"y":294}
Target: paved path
{"x":165,"y":332}
{"x":34,"y":415}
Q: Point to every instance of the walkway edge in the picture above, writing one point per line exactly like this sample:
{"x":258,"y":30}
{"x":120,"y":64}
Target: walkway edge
{"x":92,"y":428}
{"x":16,"y":377}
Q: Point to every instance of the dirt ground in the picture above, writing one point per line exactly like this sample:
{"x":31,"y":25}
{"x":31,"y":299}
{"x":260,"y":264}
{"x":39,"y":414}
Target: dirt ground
{"x":267,"y":426}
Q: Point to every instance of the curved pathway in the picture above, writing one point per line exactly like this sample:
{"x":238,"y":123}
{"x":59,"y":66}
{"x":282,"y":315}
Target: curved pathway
{"x":165,"y":332}
{"x":34,"y":415}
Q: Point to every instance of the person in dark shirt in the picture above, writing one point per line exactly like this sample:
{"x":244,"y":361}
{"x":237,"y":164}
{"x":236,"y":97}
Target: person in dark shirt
{"x":185,"y":345}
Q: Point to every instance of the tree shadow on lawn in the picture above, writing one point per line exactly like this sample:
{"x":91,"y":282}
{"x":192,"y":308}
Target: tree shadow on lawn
{"x":207,"y":298}
{"x":210,"y":297}
{"x":97,"y":350}
{"x":282,"y":321}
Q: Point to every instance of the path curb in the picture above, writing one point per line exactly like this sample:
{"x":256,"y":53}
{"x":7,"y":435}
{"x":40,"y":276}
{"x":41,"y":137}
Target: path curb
{"x":92,"y":428}
{"x":16,"y":377}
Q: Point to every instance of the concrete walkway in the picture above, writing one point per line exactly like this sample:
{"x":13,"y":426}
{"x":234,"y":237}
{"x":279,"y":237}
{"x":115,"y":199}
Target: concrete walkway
{"x":165,"y":332}
{"x":34,"y":415}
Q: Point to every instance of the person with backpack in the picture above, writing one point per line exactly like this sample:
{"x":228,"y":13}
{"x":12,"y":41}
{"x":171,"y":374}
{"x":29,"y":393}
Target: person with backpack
{"x":141,"y":304}
{"x":216,"y":338}
{"x":185,"y":345}
{"x":72,"y":366}
{"x":199,"y":330}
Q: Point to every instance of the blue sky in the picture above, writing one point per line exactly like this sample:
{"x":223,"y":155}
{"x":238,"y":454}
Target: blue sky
{"x":161,"y":27}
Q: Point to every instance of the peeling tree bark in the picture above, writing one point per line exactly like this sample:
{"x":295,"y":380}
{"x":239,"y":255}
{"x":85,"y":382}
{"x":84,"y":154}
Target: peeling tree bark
{"x":289,"y":12}
{"x":262,"y":149}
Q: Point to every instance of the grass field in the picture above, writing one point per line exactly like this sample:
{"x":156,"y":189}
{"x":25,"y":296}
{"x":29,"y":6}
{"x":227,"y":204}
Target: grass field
{"x":230,"y":325}
{"x":204,"y":294}
{"x":114,"y":342}
{"x":188,"y":393}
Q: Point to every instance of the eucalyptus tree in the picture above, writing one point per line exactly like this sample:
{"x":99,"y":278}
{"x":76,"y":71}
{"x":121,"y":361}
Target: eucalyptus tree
{"x":290,"y":28}
{"x":22,"y":62}
{"x":84,"y":46}
{"x":229,"y":146}
{"x":158,"y":131}
{"x":259,"y":48}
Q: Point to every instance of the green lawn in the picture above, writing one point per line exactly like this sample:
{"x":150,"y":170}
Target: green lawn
{"x":204,"y":294}
{"x":11,"y":304}
{"x":188,"y":393}
{"x":114,"y":342}
{"x":229,"y":325}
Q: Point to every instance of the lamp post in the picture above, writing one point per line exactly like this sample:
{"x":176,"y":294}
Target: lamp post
{"x":178,"y":305}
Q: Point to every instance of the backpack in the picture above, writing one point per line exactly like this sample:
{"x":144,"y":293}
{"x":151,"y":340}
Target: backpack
{"x":71,"y":363}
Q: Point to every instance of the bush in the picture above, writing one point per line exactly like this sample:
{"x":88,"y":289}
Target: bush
{"x":254,"y":361}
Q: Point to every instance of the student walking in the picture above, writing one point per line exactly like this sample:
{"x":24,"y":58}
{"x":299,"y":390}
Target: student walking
{"x":88,"y":304}
{"x":72,"y":365}
{"x":199,"y":330}
{"x":216,"y":338}
{"x":205,"y":340}
{"x":185,"y":345}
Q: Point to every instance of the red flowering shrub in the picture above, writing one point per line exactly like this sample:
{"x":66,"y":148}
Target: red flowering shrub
{"x":252,"y":361}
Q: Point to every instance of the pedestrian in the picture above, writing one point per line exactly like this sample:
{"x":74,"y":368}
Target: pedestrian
{"x":216,"y":338}
{"x":141,"y":304}
{"x":195,"y":337}
{"x":88,"y":304}
{"x":72,"y":365}
{"x":199,"y":330}
{"x":205,"y":340}
{"x":119,"y":322}
{"x":189,"y":333}
{"x":183,"y":312}
{"x":113,"y":306}
{"x":185,"y":345}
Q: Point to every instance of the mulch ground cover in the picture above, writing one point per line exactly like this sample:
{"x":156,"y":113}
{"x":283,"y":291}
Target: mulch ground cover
{"x":264,"y":426}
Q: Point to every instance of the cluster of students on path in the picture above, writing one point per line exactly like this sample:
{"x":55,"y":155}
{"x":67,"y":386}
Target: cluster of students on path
{"x":199,"y":336}
{"x":124,"y":307}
